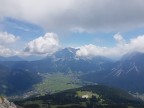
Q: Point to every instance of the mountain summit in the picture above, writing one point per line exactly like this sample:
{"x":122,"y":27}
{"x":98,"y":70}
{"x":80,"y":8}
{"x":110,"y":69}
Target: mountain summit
{"x":66,"y":60}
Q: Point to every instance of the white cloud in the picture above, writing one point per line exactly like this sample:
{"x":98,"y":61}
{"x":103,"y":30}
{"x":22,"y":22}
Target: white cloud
{"x":4,"y":51}
{"x":7,"y":41}
{"x":118,"y":37}
{"x":47,"y":44}
{"x":77,"y":15}
{"x":135,"y":44}
{"x":8,"y":38}
{"x":90,"y":51}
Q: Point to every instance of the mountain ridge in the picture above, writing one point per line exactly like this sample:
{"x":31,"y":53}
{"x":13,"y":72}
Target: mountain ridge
{"x":89,"y":96}
{"x":127,"y":73}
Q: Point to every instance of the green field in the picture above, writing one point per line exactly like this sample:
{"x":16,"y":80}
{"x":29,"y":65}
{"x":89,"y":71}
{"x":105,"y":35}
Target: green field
{"x":57,"y":82}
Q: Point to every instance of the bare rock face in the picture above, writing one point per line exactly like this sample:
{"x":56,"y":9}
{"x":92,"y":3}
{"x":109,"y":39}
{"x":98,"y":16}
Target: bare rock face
{"x":4,"y":103}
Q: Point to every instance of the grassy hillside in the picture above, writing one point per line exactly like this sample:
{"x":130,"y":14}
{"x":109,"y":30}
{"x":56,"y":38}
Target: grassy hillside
{"x":98,"y":97}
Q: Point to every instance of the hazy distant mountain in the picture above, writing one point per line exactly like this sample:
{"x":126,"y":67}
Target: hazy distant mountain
{"x":66,"y":60}
{"x":32,"y":58}
{"x":17,"y":58}
{"x":67,"y":53}
{"x":11,"y":58}
{"x":127,"y":73}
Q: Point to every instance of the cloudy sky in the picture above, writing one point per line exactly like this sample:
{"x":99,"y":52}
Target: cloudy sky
{"x":109,"y":28}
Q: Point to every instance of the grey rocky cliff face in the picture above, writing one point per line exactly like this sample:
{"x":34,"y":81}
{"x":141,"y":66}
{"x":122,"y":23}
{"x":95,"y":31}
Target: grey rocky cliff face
{"x":4,"y":103}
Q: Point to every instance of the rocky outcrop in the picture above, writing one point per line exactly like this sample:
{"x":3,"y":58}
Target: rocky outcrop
{"x":4,"y":103}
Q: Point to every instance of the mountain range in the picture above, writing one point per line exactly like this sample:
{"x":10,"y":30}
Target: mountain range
{"x":12,"y":58}
{"x":127,"y":73}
